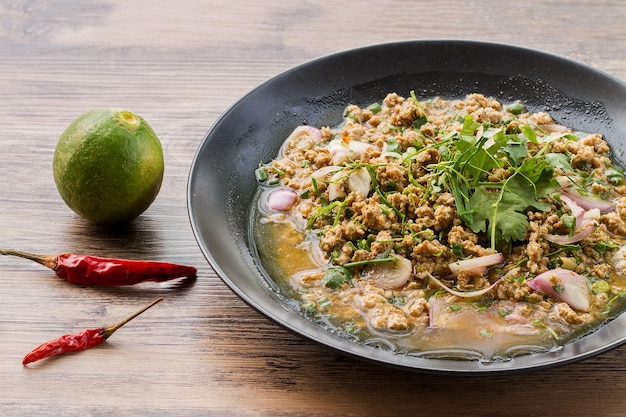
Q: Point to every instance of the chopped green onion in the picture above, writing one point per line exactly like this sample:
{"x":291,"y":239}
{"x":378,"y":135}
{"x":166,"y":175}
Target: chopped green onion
{"x":261,"y":174}
{"x":516,"y":108}
{"x":324,"y":302}
{"x":614,"y":176}
{"x":374,"y":108}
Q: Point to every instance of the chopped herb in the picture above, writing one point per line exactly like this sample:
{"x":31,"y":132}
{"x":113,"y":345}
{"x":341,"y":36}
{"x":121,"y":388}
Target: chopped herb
{"x":558,"y":288}
{"x":261,"y":174}
{"x":600,"y":287}
{"x":516,"y":108}
{"x":323,"y":302}
{"x":397,"y":300}
{"x":602,"y":247}
{"x":350,"y":328}
{"x":457,"y":249}
{"x":539,"y":323}
{"x":613,"y":300}
{"x":374,"y":108}
{"x":309,"y":308}
{"x":560,"y":161}
{"x":335,"y":276}
{"x":392,"y":145}
{"x":485,"y":333}
{"x":370,"y":262}
{"x":569,"y":222}
{"x":614,"y":176}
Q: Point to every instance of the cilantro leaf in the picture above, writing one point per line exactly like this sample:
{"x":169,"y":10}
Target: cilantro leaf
{"x":537,"y":176}
{"x":529,"y":134}
{"x":496,"y":207}
{"x":499,"y":214}
{"x":559,"y":160}
{"x":516,"y":151}
{"x":334,"y":277}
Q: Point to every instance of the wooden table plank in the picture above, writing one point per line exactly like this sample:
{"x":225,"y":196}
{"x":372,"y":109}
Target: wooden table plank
{"x":203,"y":351}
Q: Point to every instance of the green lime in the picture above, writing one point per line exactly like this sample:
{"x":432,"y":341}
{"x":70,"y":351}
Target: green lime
{"x":108,"y":165}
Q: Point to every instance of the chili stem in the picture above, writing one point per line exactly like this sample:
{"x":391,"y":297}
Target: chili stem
{"x":109,"y":330}
{"x":45,"y":260}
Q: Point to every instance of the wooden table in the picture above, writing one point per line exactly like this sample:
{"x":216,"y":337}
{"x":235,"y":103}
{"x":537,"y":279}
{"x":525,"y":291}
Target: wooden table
{"x":202,"y":351}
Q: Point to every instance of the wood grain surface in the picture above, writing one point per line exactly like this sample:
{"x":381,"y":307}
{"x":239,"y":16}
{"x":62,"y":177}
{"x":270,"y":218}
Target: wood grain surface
{"x":202,"y":351}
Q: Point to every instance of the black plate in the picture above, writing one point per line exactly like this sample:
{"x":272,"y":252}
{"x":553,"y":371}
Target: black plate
{"x":222,"y":183}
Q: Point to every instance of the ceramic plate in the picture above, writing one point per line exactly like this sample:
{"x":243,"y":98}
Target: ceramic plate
{"x":222,"y":182}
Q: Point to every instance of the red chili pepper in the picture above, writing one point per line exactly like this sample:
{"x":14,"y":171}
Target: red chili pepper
{"x":93,"y":270}
{"x":79,"y":341}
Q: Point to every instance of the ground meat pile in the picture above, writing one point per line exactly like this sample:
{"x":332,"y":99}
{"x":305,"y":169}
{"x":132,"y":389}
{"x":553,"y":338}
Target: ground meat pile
{"x":425,"y":212}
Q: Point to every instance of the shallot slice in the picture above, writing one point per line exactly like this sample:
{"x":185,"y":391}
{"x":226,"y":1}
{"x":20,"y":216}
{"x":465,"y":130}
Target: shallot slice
{"x":584,"y":223}
{"x":564,"y":285}
{"x":463,"y":294}
{"x":389,"y":275}
{"x":436,"y":308}
{"x":341,"y":152}
{"x":302,"y":137}
{"x":322,"y":172}
{"x":579,"y":235}
{"x":476,"y":264}
{"x":360,"y":181}
{"x":587,"y":202}
{"x":336,"y":190}
{"x":281,"y":199}
{"x":577,"y":211}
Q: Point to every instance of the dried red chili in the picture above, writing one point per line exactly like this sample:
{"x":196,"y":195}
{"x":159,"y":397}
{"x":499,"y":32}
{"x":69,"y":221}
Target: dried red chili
{"x":98,"y":271}
{"x":79,"y":341}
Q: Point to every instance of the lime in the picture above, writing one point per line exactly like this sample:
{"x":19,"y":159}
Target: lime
{"x":108,"y":165}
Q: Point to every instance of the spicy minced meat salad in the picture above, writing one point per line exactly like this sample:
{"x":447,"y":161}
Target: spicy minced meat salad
{"x":446,"y":225}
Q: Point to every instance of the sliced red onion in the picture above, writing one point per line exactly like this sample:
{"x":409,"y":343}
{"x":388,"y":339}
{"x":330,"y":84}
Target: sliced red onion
{"x":360,"y":147}
{"x":464,"y":294}
{"x":339,"y":152}
{"x":281,"y":199}
{"x":306,"y":133}
{"x":564,"y":182}
{"x":576,"y":210}
{"x":584,"y":222}
{"x":564,"y":285}
{"x":476,"y":264}
{"x":587,"y":202}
